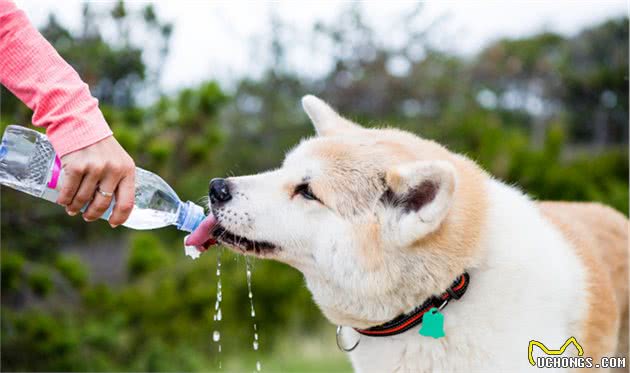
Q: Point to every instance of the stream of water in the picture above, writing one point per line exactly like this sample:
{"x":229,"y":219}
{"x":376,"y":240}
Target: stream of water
{"x":216,"y":335}
{"x":255,"y":343}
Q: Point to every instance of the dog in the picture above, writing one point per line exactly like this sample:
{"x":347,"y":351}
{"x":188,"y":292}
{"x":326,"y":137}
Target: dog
{"x":385,"y":225}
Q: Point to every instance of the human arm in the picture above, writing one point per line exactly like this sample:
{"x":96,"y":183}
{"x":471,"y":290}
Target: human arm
{"x":61,"y":102}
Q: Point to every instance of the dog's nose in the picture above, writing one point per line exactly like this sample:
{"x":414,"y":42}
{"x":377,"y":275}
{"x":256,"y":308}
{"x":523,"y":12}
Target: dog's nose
{"x":219,"y":191}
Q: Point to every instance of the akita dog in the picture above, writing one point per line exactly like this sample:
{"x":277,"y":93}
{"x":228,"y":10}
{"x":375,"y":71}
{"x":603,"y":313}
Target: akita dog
{"x":385,"y":226}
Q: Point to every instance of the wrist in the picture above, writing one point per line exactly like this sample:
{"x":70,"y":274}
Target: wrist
{"x":77,"y":134}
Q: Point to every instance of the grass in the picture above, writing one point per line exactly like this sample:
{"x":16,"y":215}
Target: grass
{"x":295,"y":354}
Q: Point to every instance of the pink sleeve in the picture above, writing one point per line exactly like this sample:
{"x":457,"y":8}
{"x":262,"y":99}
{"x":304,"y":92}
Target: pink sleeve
{"x":32,"y":69}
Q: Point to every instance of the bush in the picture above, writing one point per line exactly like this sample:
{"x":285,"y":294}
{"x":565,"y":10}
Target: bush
{"x":146,"y":254}
{"x":12,"y":264}
{"x":40,"y":282}
{"x":72,"y":269}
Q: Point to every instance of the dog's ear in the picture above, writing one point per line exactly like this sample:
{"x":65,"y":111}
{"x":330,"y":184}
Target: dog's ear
{"x":422,"y":193}
{"x":325,"y":120}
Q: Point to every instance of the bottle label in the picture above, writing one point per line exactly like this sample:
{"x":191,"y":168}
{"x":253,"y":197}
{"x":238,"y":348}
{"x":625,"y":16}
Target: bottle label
{"x":56,"y":171}
{"x":55,"y":179}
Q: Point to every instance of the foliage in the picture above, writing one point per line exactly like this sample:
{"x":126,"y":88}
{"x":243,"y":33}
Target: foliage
{"x":146,"y":254}
{"x":545,"y":112}
{"x":72,"y":269}
{"x":40,"y":282}
{"x":12,"y":264}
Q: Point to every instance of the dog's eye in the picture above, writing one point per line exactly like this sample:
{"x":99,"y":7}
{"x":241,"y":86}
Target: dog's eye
{"x":305,"y":191}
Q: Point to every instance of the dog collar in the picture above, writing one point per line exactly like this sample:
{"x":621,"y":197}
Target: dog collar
{"x":406,"y":321}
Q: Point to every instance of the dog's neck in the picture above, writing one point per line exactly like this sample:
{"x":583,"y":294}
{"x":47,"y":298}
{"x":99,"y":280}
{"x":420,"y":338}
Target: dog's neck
{"x":406,"y":321}
{"x":374,"y":301}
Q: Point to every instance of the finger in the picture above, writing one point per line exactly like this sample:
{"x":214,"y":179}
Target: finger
{"x":125,"y":196}
{"x":72,"y":178}
{"x":85,"y":192}
{"x":101,"y":201}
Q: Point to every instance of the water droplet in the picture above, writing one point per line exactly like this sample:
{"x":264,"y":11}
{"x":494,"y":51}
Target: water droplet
{"x":253,"y":313}
{"x":258,"y":366}
{"x":219,"y":316}
{"x":255,"y":344}
{"x":216,"y":336}
{"x":256,"y":336}
{"x":218,"y":272}
{"x":219,"y":348}
{"x":250,"y":295}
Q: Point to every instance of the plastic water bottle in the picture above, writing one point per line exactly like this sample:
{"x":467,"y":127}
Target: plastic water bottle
{"x":28,"y":163}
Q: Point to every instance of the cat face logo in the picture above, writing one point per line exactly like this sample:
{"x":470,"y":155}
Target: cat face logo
{"x":547,"y":351}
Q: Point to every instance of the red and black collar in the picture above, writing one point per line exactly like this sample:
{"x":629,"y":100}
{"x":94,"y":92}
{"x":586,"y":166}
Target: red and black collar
{"x":409,"y":320}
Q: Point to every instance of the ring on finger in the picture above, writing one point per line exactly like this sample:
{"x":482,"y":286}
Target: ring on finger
{"x":104,"y":193}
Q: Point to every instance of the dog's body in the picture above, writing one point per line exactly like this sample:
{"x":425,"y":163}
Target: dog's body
{"x":531,"y":284}
{"x":379,"y":220}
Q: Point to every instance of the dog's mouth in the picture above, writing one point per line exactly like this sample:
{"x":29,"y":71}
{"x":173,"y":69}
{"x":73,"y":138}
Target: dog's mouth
{"x":210,"y":232}
{"x":241,"y":243}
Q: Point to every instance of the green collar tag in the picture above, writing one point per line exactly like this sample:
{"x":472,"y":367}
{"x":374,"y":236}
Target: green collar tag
{"x":432,"y":324}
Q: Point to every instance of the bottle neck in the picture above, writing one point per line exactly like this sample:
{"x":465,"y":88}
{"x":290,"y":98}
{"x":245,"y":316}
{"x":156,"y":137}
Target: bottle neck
{"x":189,"y":217}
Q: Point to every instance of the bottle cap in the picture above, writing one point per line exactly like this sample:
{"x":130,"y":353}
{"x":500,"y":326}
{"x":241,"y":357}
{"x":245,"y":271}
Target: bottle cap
{"x":191,"y":216}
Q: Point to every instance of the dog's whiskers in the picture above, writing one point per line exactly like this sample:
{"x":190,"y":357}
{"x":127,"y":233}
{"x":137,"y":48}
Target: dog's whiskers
{"x":221,"y":236}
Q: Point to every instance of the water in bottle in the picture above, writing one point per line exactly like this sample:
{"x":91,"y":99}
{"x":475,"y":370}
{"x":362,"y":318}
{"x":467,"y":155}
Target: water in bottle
{"x":28,"y":163}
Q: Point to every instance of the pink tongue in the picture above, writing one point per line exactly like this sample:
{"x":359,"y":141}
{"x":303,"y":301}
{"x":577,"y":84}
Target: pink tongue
{"x":203,"y":232}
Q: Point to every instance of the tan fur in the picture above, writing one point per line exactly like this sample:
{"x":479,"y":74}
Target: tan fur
{"x":599,"y":234}
{"x":369,"y":237}
{"x":289,"y":189}
{"x":399,"y":152}
{"x":394,"y":179}
{"x":459,"y":235}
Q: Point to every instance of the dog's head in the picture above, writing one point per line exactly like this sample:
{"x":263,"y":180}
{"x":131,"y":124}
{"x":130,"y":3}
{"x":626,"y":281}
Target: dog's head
{"x":376,"y":219}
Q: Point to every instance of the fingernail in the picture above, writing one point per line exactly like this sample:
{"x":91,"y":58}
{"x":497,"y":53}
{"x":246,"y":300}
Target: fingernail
{"x":71,"y":213}
{"x":87,"y":219}
{"x":113,"y":225}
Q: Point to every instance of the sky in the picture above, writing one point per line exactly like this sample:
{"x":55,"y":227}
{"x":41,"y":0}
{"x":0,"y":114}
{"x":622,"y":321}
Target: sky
{"x":221,"y":39}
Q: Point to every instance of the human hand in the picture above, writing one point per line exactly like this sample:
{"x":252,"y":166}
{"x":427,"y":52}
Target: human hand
{"x":97,"y":173}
